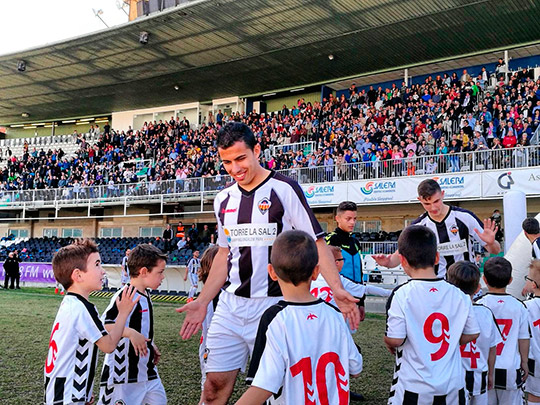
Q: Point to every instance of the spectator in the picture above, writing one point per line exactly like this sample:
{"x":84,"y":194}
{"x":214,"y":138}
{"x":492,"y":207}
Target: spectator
{"x":167,"y":237}
{"x":11,"y":271}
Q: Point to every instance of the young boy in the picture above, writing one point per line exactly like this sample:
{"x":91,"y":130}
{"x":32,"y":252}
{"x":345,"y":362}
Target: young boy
{"x":125,"y":271}
{"x":129,"y":374}
{"x":206,"y":264}
{"x":303,"y":352}
{"x":77,"y":330}
{"x":478,"y":356}
{"x":427,"y":320}
{"x":511,"y":367}
{"x":320,"y":288}
{"x":192,"y":270}
{"x":532,"y":386}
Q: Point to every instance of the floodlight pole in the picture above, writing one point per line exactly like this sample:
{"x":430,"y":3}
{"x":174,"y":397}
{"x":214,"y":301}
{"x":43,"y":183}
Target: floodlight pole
{"x":98,"y":13}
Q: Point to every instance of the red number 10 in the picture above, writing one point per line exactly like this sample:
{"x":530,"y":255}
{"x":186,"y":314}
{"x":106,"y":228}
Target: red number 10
{"x":443,"y":338}
{"x":304,"y":367}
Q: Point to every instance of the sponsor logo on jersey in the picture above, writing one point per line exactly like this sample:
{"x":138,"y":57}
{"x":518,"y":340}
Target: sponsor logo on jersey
{"x":228,"y":211}
{"x":311,"y":317}
{"x":452,"y":248}
{"x":119,"y":402}
{"x":433,"y":289}
{"x":500,"y":302}
{"x":454,"y":229}
{"x":264,"y":205}
{"x":243,"y":235}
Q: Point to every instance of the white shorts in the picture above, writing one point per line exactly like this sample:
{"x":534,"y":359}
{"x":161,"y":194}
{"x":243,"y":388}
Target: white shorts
{"x":193,"y":279}
{"x":532,"y":385}
{"x":233,"y":330}
{"x":141,"y":393}
{"x":505,"y":397}
{"x":202,"y":360}
{"x":481,"y":399}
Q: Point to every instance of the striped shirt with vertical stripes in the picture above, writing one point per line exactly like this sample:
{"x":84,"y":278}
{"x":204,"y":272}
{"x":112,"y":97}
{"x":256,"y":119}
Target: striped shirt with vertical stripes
{"x":249,"y":222}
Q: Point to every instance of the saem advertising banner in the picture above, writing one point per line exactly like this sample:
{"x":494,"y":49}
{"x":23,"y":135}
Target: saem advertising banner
{"x":403,"y":189}
{"x":325,"y":193}
{"x":496,"y":184}
{"x":33,"y":272}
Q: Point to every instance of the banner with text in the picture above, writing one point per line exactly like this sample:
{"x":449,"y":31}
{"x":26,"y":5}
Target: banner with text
{"x":497,"y":183}
{"x":33,"y":273}
{"x":325,"y":193}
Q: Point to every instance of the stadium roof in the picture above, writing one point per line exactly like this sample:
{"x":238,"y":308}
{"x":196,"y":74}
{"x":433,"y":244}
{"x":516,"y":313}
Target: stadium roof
{"x":214,"y":49}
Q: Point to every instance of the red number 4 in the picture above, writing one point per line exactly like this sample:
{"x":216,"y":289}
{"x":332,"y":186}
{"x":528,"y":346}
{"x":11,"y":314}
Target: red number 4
{"x":472,"y":354}
{"x":304,"y":367}
{"x":443,"y":338}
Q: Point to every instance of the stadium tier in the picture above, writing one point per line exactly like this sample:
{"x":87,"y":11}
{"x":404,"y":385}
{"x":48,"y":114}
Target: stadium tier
{"x":448,"y":124}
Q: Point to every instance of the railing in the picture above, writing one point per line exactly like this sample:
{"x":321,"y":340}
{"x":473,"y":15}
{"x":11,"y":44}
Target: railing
{"x":306,"y":147}
{"x":205,"y":187}
{"x":420,"y":165}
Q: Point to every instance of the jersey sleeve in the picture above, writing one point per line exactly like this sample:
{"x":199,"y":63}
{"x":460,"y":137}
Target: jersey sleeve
{"x":300,"y":214}
{"x":270,"y":373}
{"x":356,"y":361}
{"x":88,"y":324}
{"x":381,"y":292}
{"x":524,"y":332}
{"x":471,"y":324}
{"x":396,"y":325}
{"x":355,"y":289}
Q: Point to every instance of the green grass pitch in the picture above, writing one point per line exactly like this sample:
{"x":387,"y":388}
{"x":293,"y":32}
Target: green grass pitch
{"x":26,"y":318}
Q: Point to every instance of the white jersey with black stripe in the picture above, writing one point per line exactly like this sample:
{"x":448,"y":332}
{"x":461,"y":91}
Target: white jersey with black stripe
{"x":430,"y":315}
{"x":533,"y":309}
{"x":304,"y":353}
{"x":455,"y":236}
{"x":71,"y":360}
{"x":123,"y":365}
{"x":249,"y":222}
{"x":512,"y":319}
{"x":194,"y":265}
{"x":474,"y":355}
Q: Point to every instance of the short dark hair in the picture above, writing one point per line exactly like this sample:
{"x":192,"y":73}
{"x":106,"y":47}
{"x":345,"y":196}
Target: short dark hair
{"x":531,"y":226}
{"x":298,"y":267}
{"x":498,"y":272}
{"x":464,"y":275}
{"x":72,"y":257}
{"x":144,"y":255}
{"x":418,"y":245}
{"x":346,"y":206}
{"x":234,"y":132}
{"x":428,"y":188}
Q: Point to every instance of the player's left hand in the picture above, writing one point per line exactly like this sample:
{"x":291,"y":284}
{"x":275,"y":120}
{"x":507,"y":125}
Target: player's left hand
{"x":490,"y":381}
{"x":157,"y":355}
{"x":490,"y":230}
{"x":91,"y":400}
{"x":347,"y":305}
{"x":524,"y":370}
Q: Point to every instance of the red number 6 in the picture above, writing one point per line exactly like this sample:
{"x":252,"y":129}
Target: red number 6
{"x":443,"y":338}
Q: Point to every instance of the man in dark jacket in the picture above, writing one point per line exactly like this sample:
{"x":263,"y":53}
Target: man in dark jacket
{"x":11,"y":269}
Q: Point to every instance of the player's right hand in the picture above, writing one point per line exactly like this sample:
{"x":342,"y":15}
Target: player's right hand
{"x":347,"y":305}
{"x":125,"y":301}
{"x":382,"y":260}
{"x":195,"y":314}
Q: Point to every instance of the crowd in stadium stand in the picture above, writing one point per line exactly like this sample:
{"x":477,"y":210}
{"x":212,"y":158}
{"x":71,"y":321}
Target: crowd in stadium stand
{"x":443,"y":116}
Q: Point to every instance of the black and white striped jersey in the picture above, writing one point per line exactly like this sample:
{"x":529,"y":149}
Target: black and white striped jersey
{"x":430,"y":315}
{"x":474,"y":355}
{"x":455,"y":236}
{"x":71,"y":360}
{"x":123,"y":365}
{"x":512,"y":319}
{"x":194,"y":265}
{"x":304,"y":353}
{"x":533,"y":309}
{"x":536,"y":249}
{"x":249,"y":222}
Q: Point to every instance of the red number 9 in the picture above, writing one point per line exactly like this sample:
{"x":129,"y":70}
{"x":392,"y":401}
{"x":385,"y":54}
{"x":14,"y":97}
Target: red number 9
{"x":443,"y":338}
